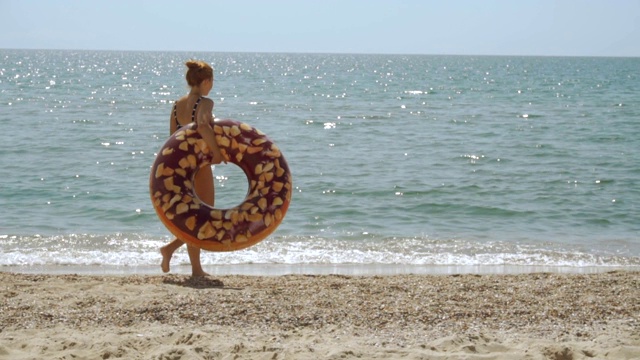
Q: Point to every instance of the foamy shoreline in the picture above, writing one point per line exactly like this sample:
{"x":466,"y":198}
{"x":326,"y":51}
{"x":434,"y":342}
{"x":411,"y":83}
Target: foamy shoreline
{"x":517,"y":316}
{"x":318,"y":269}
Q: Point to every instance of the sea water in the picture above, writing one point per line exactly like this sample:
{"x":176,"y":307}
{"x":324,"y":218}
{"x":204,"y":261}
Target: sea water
{"x":399,"y":162}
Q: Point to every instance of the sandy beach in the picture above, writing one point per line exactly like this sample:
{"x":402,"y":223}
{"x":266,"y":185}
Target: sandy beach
{"x":519,"y":316}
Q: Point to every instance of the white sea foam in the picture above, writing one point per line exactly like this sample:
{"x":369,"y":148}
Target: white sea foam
{"x":139,"y":251}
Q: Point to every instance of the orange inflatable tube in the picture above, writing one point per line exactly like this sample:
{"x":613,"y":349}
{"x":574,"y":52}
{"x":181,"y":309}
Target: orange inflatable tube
{"x":189,"y":219}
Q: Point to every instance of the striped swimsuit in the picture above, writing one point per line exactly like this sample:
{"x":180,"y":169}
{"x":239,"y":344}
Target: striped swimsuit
{"x":193,"y":112}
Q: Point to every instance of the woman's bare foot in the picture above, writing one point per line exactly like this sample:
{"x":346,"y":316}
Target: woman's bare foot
{"x":199,"y":274}
{"x":167,"y":252}
{"x":166,"y":259}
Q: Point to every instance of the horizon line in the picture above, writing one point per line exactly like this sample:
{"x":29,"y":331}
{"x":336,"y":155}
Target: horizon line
{"x":319,"y":52}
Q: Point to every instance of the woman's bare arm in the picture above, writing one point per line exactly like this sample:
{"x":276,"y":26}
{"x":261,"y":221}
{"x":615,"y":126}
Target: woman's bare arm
{"x":172,"y":122}
{"x":205,"y":129}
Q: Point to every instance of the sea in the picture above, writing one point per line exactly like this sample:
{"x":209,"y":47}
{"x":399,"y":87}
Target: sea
{"x":401,"y":163}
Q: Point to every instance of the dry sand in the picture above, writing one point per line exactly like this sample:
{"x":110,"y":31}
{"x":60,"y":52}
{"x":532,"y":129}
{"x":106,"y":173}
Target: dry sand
{"x":527,"y":316}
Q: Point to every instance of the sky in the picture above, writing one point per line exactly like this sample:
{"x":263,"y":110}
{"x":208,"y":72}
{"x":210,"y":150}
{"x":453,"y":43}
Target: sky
{"x":438,"y":27}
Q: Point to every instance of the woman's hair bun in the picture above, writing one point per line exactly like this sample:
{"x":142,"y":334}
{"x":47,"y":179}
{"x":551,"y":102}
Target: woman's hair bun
{"x":193,"y":64}
{"x":197,"y":72}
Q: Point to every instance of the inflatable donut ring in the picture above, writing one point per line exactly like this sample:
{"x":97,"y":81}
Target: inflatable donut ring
{"x":197,"y":223}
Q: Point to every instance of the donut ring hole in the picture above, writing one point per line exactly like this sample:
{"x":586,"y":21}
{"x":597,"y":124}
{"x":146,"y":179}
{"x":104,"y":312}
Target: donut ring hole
{"x":231,"y":185}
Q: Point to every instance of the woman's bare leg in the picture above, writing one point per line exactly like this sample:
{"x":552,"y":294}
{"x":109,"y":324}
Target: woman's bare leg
{"x":203,"y":183}
{"x":167,"y":252}
{"x":196,"y":266}
{"x":205,"y":191}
